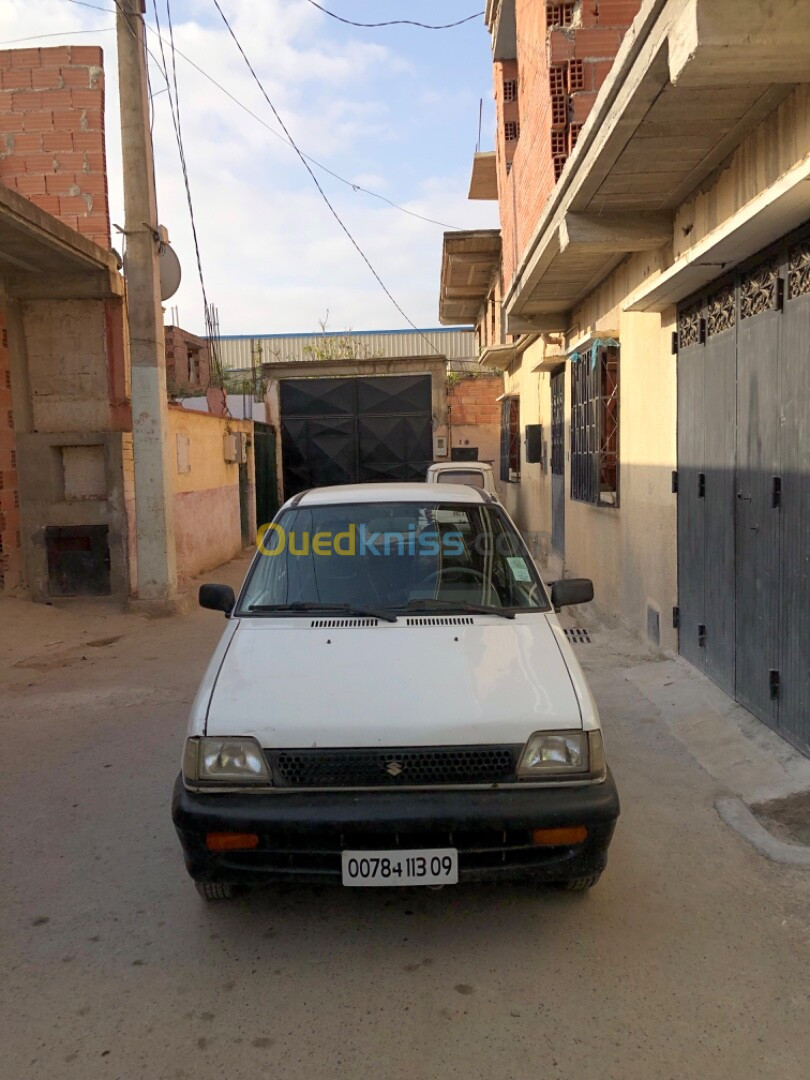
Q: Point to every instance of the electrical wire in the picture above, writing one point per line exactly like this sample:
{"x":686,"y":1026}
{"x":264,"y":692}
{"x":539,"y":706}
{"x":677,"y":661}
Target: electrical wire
{"x":316,"y":182}
{"x":59,"y":33}
{"x":396,"y":22}
{"x":277,"y":134}
{"x":174,"y":106}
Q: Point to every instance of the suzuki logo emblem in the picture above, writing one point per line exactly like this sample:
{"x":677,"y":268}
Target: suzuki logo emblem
{"x":393,"y":768}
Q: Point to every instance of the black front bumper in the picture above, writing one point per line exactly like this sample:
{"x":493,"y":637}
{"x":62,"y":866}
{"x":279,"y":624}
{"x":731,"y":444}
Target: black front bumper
{"x":302,"y":834}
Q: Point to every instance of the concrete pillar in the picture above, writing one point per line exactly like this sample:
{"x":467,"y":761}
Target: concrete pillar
{"x":154,"y":510}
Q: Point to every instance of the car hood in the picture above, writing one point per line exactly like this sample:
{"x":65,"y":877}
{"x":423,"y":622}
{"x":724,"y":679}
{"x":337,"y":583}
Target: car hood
{"x":415,"y":682}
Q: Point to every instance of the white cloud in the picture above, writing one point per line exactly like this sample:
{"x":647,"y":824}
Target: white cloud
{"x":274,"y":257}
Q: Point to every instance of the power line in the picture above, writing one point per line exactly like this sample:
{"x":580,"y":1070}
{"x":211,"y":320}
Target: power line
{"x":278,"y":135}
{"x":174,"y":106}
{"x":396,"y":22}
{"x":322,"y":193}
{"x":60,"y":33}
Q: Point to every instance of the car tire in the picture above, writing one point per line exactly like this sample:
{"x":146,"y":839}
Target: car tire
{"x":581,"y":884}
{"x":214,"y":890}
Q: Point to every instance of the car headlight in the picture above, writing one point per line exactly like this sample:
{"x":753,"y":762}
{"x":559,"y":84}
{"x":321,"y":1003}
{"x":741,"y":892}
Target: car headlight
{"x":219,"y":760}
{"x":555,"y":753}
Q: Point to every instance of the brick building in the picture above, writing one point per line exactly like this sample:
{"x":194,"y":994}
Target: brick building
{"x":52,"y":132}
{"x":188,"y":362}
{"x":648,"y":300}
{"x":473,"y":417}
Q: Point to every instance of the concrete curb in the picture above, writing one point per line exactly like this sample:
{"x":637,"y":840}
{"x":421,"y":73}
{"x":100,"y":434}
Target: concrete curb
{"x":736,"y":814}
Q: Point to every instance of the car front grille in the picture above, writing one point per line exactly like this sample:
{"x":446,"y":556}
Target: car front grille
{"x":394,"y":767}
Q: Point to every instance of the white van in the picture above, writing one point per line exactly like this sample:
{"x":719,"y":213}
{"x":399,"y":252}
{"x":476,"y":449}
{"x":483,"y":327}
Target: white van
{"x":393,"y":702}
{"x":477,"y":474}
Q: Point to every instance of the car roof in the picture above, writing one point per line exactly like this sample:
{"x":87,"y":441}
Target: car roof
{"x":392,"y":492}
{"x":460,"y":466}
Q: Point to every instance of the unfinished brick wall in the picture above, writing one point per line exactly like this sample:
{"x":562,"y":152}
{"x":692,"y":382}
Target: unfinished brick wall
{"x":52,"y":147}
{"x":472,"y":399}
{"x":9,"y":497}
{"x":564,"y":53}
{"x":188,"y":361}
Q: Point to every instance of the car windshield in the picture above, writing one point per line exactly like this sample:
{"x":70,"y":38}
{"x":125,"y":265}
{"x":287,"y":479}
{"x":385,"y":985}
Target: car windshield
{"x":473,"y":477}
{"x":393,"y":556}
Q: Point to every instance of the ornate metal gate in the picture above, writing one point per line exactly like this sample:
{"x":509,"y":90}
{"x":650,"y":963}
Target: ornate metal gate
{"x":351,"y":429}
{"x":744,"y":486}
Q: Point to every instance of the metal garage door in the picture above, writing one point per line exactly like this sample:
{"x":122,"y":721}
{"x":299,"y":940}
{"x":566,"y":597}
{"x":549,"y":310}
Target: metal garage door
{"x":744,"y":486}
{"x":351,"y":430}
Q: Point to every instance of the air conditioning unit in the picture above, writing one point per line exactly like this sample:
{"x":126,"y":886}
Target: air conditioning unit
{"x":236,"y":448}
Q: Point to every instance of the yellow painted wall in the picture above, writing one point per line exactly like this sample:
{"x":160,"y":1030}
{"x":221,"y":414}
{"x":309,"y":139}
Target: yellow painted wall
{"x":206,"y":450}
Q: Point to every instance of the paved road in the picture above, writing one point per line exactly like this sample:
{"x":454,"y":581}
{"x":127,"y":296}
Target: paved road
{"x":689,"y":960}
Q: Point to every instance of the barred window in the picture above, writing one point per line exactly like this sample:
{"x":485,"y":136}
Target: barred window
{"x":595,"y":425}
{"x":510,"y":440}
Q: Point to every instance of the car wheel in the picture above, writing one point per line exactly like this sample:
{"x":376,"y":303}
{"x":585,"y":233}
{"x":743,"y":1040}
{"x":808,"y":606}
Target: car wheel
{"x":581,"y":884}
{"x":214,"y":890}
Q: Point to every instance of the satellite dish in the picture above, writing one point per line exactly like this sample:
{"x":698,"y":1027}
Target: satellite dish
{"x":170,"y":272}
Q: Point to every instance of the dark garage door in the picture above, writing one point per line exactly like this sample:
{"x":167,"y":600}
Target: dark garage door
{"x":744,"y":486}
{"x":352,"y":430}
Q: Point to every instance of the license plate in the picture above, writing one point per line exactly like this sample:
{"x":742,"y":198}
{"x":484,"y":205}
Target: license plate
{"x":435,"y":866}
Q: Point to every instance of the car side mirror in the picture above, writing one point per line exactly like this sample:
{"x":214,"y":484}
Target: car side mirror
{"x":567,"y":591}
{"x":217,"y":598}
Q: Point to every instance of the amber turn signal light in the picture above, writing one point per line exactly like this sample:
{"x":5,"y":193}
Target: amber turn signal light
{"x":575,"y":834}
{"x":231,"y":841}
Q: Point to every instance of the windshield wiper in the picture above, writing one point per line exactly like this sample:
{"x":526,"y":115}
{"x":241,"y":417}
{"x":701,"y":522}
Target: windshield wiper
{"x":312,"y":605}
{"x":458,"y":607}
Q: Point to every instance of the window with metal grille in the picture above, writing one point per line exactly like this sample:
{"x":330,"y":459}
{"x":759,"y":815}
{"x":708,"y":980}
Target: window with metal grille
{"x":510,"y":90}
{"x":595,"y":425}
{"x":510,"y":440}
{"x":511,"y":130}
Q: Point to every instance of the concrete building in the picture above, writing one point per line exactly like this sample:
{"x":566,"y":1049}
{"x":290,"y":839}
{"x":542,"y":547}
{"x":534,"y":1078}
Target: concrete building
{"x":67,"y":495}
{"x":650,"y":305}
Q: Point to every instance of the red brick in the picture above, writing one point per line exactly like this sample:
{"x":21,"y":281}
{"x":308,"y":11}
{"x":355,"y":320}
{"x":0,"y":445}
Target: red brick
{"x":581,"y":105}
{"x":86,"y":99}
{"x":28,"y":143}
{"x":87,"y":140}
{"x":26,"y":58}
{"x":67,"y":120}
{"x":48,"y":203}
{"x":94,"y":184}
{"x":93,"y":162}
{"x":68,"y":161}
{"x":31,"y":184}
{"x":55,"y":140}
{"x":61,"y":184}
{"x":55,"y":56}
{"x":78,"y":77}
{"x":72,"y":204}
{"x":560,"y":46}
{"x":595,"y":44}
{"x":45,"y":78}
{"x":16,"y":79}
{"x":25,"y":100}
{"x":40,"y":163}
{"x":34,"y":121}
{"x":92,"y":55}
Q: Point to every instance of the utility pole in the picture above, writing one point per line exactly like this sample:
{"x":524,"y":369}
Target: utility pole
{"x":154,"y":510}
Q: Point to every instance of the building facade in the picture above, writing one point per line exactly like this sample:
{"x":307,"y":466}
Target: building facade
{"x":650,"y":311}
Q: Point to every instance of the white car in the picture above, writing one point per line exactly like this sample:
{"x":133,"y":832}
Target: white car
{"x":477,"y":474}
{"x":393,"y":702}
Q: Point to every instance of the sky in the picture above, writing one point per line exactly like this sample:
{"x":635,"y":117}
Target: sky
{"x":392,"y":109}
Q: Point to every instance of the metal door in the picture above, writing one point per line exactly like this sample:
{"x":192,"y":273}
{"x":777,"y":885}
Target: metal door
{"x":758,"y":525}
{"x":691,"y":483}
{"x":719,"y":443}
{"x":264,"y":453}
{"x":794,"y":513}
{"x":558,"y":461}
{"x":350,"y":430}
